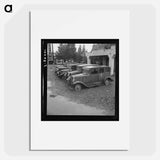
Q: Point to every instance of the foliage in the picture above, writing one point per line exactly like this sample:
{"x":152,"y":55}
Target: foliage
{"x":68,"y":52}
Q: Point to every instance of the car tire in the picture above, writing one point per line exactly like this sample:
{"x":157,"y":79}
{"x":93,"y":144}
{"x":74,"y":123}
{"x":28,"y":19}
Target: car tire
{"x":107,"y":82}
{"x":78,"y":87}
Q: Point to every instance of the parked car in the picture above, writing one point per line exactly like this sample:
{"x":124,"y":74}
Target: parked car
{"x":90,"y":77}
{"x":78,"y":71}
{"x":70,"y":67}
{"x":59,"y":68}
{"x":59,"y":61}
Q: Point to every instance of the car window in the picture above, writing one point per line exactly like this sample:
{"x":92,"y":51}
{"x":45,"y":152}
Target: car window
{"x":101,"y":70}
{"x":79,"y":69}
{"x":94,"y":71}
{"x":85,"y":71}
{"x":107,"y":69}
{"x":73,"y":67}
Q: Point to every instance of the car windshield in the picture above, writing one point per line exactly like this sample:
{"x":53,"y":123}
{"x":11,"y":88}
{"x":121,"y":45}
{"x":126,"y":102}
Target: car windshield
{"x":79,"y":69}
{"x":85,"y":71}
{"x":73,"y":68}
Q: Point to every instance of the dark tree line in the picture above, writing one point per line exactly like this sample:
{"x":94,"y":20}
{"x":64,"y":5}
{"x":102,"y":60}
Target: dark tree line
{"x":68,"y":52}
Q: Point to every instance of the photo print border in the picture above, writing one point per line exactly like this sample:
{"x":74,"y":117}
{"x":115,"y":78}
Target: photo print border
{"x":44,"y":116}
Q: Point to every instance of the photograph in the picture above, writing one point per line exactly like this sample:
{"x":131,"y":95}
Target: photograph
{"x":80,"y":79}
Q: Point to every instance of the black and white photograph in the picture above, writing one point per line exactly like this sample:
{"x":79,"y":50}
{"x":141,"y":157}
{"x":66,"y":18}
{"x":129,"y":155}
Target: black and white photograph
{"x":79,"y":79}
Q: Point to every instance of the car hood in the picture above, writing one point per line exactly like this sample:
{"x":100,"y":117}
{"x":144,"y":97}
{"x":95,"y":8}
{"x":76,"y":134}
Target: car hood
{"x":64,"y":70}
{"x":79,"y":75}
{"x":74,"y":72}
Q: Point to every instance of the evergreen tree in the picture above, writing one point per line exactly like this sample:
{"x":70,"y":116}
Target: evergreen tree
{"x":84,"y":58}
{"x":66,"y":52}
{"x":79,"y":54}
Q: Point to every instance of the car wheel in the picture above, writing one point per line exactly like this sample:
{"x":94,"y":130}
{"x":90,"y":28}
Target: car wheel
{"x":107,"y":82}
{"x":78,"y":87}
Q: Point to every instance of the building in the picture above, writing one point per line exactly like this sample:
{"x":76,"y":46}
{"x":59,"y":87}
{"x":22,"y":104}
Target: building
{"x":103,"y":55}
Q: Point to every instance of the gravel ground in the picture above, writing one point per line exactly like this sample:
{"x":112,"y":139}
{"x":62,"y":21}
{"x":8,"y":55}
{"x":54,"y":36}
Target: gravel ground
{"x":100,"y":97}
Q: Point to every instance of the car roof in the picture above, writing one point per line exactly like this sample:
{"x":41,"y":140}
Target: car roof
{"x":94,"y":66}
{"x":73,"y":64}
{"x":83,"y":65}
{"x":62,"y":67}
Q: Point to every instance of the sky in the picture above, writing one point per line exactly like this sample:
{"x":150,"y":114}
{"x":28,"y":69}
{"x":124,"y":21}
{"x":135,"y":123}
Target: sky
{"x":88,"y":47}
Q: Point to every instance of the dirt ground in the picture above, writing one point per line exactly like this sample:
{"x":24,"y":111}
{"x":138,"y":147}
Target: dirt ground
{"x":100,"y":97}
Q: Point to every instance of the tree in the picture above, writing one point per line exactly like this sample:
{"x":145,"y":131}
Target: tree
{"x":79,"y":54}
{"x":59,"y":53}
{"x":84,"y":58}
{"x":66,"y":52}
{"x":71,"y":51}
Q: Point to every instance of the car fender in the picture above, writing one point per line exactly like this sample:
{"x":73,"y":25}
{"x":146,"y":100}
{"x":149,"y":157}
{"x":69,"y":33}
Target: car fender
{"x":109,"y":78}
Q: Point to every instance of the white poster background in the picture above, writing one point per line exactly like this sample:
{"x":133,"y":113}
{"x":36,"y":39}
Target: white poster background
{"x":79,"y":135}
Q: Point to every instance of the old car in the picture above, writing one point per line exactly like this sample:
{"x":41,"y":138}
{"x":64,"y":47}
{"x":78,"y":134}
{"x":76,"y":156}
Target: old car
{"x":90,"y":77}
{"x":70,"y":67}
{"x":59,"y":61}
{"x":79,"y":70}
{"x":59,"y":68}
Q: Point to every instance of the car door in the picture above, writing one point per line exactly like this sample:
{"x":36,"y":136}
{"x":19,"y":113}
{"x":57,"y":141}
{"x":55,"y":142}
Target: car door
{"x":94,"y":76}
{"x":101,"y":74}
